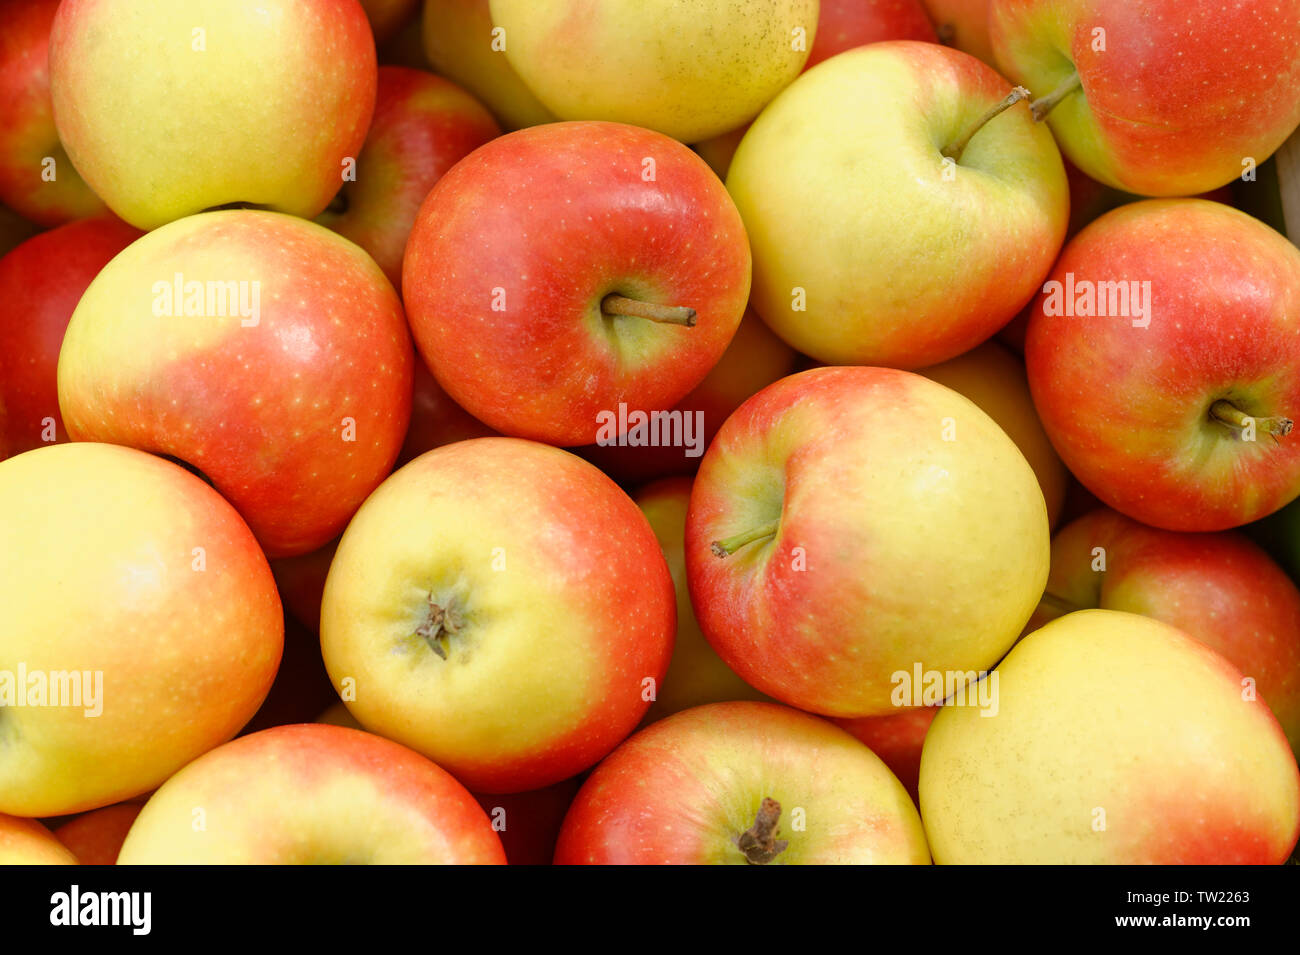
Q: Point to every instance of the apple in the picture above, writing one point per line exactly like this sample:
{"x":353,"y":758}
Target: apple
{"x":302,"y":688}
{"x":529,"y":823}
{"x":41,"y":282}
{"x":1118,"y":740}
{"x":742,"y":783}
{"x":311,"y":794}
{"x":501,"y":607}
{"x":1279,"y":534}
{"x":388,"y":17}
{"x":995,"y":379}
{"x":696,"y":675}
{"x":136,"y":607}
{"x":97,"y":837}
{"x":905,"y":234}
{"x":851,"y":524}
{"x":436,"y":419}
{"x":460,"y":42}
{"x":14,"y":230}
{"x":1162,"y":98}
{"x":754,"y":359}
{"x":963,"y":24}
{"x":301,"y":581}
{"x":1220,"y":589}
{"x":168,"y":110}
{"x":27,"y":842}
{"x":263,"y":350}
{"x":562,"y":275}
{"x":897,"y":739}
{"x":36,"y":177}
{"x":844,"y":24}
{"x":1162,"y":361}
{"x":688,"y":70}
{"x":423,"y":126}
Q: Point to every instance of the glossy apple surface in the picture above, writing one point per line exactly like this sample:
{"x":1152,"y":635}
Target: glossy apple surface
{"x":502,"y":607}
{"x":848,"y":524}
{"x":688,"y":789}
{"x":117,"y":563}
{"x":517,"y":251}
{"x":286,"y":380}
{"x":1118,"y":740}
{"x":1173,"y":409}
{"x":844,"y":24}
{"x":167,"y":110}
{"x":312,"y":794}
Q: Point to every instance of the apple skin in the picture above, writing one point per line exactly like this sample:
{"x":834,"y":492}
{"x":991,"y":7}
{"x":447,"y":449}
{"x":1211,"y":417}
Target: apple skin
{"x":690,"y":71}
{"x":1219,"y":589}
{"x":696,"y":675}
{"x":562,"y":604}
{"x":312,"y":793}
{"x":844,"y":24}
{"x":682,"y":791}
{"x":458,"y":43}
{"x":27,"y":132}
{"x":1128,"y":408}
{"x":899,"y":266}
{"x":388,"y":17}
{"x":160,"y":130}
{"x":262,"y":409}
{"x":423,"y":126}
{"x":98,"y":573}
{"x":963,"y":24}
{"x":517,"y":246}
{"x":302,"y":688}
{"x":897,"y":739}
{"x":532,"y":820}
{"x":1102,"y":710}
{"x":27,"y":842}
{"x":96,"y":838}
{"x":436,"y":419}
{"x":14,"y":230}
{"x":41,"y":282}
{"x":754,"y":359}
{"x":995,"y":379}
{"x":1156,"y":116}
{"x":893,"y":547}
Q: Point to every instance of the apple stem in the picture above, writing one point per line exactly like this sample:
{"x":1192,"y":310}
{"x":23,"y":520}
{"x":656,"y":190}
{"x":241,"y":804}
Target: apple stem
{"x":730,"y":545}
{"x":1227,"y":413}
{"x":1041,"y":107}
{"x":634,"y":308}
{"x":954,"y":150}
{"x":439,"y":624}
{"x":759,"y":842}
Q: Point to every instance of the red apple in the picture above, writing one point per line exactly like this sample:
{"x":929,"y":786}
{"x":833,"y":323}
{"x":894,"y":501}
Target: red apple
{"x":529,"y":823}
{"x":36,"y":177}
{"x":41,"y":282}
{"x":897,"y":739}
{"x":311,"y":794}
{"x":301,"y":581}
{"x":423,"y":125}
{"x":963,"y":24}
{"x":263,"y":350}
{"x":844,"y":24}
{"x":301,"y":689}
{"x":565,"y":274}
{"x":436,"y":419}
{"x":1163,"y":360}
{"x":96,"y":837}
{"x":1219,"y":589}
{"x":738,"y":783}
{"x":754,"y":359}
{"x":14,"y":229}
{"x":501,"y":607}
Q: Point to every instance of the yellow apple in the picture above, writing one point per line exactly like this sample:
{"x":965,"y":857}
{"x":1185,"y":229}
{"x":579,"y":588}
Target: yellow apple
{"x":1117,"y":739}
{"x":688,"y":70}
{"x":27,"y":842}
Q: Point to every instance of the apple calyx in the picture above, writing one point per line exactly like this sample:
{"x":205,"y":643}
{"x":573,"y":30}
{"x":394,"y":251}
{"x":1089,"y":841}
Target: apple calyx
{"x":1225,"y":412}
{"x":730,"y":545}
{"x":616,"y":305}
{"x":439,"y":625}
{"x":1044,"y":105}
{"x":759,"y":843}
{"x":954,"y":150}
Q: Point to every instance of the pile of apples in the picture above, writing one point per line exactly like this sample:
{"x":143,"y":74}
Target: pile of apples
{"x":598,"y":432}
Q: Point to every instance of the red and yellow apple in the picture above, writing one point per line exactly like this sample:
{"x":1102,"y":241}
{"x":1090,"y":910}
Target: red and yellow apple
{"x":27,"y":842}
{"x":897,"y":739}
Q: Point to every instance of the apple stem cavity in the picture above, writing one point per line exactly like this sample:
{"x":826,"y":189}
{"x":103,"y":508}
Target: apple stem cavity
{"x":954,"y":150}
{"x":759,"y":842}
{"x":615,"y":305}
{"x":1044,"y":105}
{"x":439,"y":625}
{"x":730,"y":545}
{"x":1225,"y":412}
